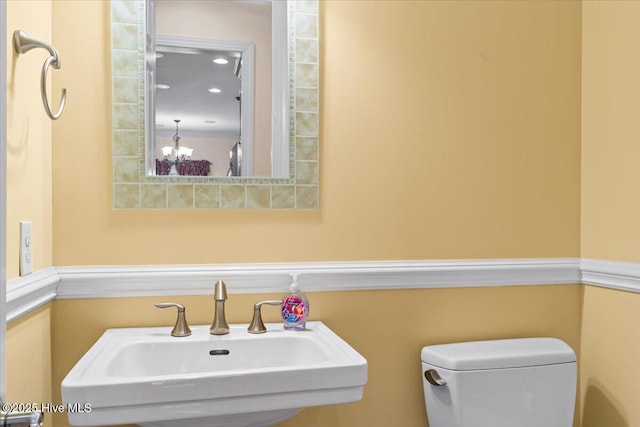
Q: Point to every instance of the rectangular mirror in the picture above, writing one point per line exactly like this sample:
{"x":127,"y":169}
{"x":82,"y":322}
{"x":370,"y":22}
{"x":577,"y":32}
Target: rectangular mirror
{"x":215,"y":104}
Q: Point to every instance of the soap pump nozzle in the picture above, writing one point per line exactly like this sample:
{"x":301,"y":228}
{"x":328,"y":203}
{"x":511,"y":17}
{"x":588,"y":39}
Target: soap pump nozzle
{"x":294,"y":287}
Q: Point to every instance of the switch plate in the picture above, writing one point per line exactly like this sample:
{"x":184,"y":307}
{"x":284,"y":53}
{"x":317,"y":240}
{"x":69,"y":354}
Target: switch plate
{"x":26,"y":259}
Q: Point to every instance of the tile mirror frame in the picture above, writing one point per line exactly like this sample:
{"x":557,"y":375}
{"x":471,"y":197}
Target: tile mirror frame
{"x":133,"y":189}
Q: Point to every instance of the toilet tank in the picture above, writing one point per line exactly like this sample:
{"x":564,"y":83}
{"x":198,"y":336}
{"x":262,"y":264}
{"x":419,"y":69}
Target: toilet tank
{"x":528,"y":382}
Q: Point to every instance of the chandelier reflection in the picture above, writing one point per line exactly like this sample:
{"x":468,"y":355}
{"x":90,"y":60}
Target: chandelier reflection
{"x":177,"y":160}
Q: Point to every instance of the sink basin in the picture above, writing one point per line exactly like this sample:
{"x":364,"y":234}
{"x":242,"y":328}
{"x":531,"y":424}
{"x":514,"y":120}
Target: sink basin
{"x":145,"y":376}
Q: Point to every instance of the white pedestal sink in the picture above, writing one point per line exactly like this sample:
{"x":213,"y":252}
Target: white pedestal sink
{"x":145,"y":376}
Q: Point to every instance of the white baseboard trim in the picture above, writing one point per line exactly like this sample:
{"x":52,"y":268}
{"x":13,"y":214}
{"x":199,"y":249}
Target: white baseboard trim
{"x":28,"y":293}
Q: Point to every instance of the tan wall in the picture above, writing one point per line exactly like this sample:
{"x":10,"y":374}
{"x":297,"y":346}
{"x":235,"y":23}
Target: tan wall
{"x":28,"y":138}
{"x":479,"y":103}
{"x":28,"y":358}
{"x":388,"y":327}
{"x":610,"y":128}
{"x":29,"y":194}
{"x":610,"y":375}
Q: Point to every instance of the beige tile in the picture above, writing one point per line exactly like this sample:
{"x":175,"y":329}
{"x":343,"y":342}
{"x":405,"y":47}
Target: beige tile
{"x":258,"y":196}
{"x":283,"y":196}
{"x":306,"y":99}
{"x":124,"y":11}
{"x":124,"y":36}
{"x":124,"y":63}
{"x":153,"y":196}
{"x":125,"y":116}
{"x":125,"y":142}
{"x":306,"y":172}
{"x":306,"y":148}
{"x":207,"y":196}
{"x":306,"y":124}
{"x":126,"y":169}
{"x":125,"y":89}
{"x":232,"y":196}
{"x":307,"y":50}
{"x":307,"y":197}
{"x":306,"y":25}
{"x":180,"y":196}
{"x":307,"y":6}
{"x":126,"y":196}
{"x":306,"y":75}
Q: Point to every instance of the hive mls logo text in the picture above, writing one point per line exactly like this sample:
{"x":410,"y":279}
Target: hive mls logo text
{"x":79,"y":407}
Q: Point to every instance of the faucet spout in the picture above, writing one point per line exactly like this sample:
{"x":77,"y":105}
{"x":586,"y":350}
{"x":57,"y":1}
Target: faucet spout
{"x":220,"y":291}
{"x":219,"y":325}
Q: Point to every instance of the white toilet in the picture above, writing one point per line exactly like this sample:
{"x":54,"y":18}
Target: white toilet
{"x":528,"y":382}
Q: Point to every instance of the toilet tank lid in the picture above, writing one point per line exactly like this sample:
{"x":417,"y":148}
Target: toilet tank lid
{"x":510,"y":353}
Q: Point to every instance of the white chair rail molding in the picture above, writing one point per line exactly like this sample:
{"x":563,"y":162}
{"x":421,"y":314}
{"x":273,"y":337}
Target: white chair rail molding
{"x":27,"y":293}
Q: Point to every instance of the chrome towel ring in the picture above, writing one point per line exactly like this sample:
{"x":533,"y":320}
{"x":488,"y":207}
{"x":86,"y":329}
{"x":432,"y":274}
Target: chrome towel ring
{"x":22,"y":43}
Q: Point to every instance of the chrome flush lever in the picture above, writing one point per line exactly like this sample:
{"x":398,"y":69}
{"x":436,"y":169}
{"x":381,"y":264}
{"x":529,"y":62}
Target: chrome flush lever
{"x":181,"y":328}
{"x":433,"y":378}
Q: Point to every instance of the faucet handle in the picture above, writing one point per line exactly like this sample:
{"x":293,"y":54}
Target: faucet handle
{"x":181,"y":328}
{"x":257,"y":325}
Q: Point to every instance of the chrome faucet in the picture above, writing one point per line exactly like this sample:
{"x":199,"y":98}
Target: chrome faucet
{"x":181,"y":328}
{"x":220,"y":325}
{"x":257,"y":325}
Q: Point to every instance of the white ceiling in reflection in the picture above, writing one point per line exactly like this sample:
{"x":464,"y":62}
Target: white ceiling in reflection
{"x":190,"y":74}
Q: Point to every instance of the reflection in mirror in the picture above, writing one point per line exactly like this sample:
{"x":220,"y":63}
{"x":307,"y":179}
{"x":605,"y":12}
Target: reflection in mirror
{"x":210,"y":65}
{"x":235,"y":160}
{"x":209,"y":91}
{"x":286,"y":136}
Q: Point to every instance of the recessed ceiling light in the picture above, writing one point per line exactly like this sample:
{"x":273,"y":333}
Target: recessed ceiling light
{"x":220,"y":61}
{"x":214,"y":90}
{"x":162,"y":86}
{"x":210,"y":121}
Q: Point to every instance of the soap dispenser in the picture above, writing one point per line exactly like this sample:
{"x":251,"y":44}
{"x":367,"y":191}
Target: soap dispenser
{"x":295,"y":307}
